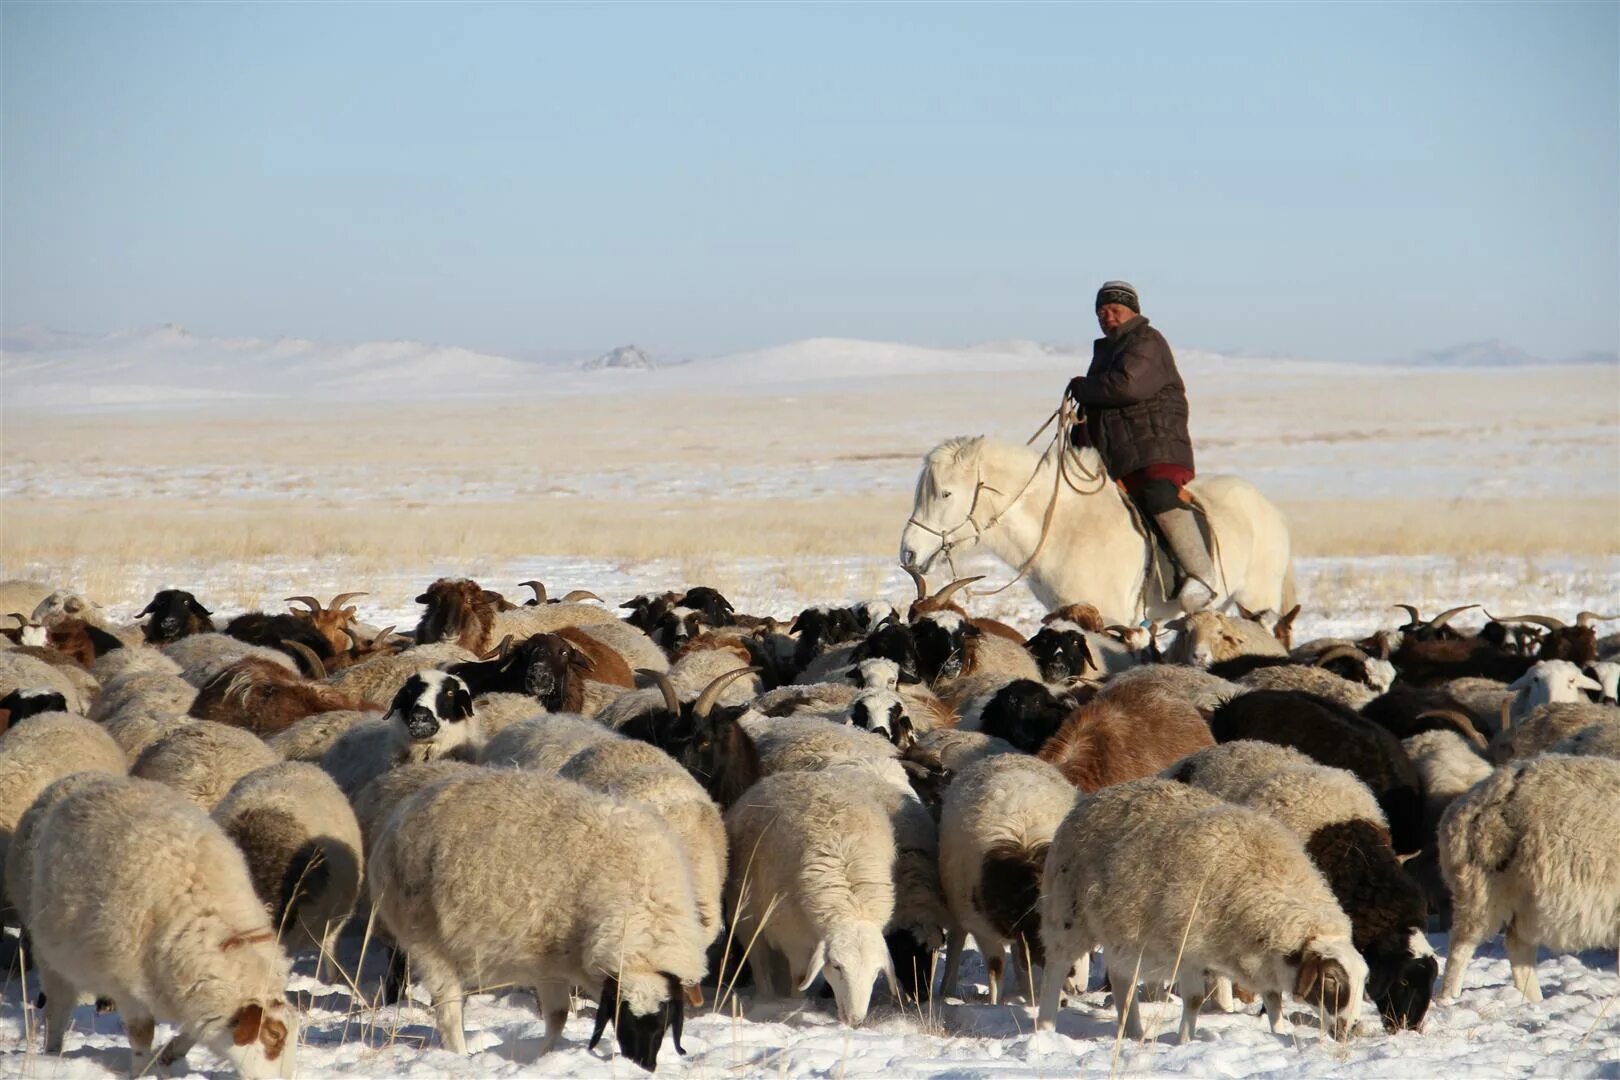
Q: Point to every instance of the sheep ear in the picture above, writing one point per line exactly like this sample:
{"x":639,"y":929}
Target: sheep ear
{"x":422,"y":599}
{"x":1310,"y":973}
{"x":1586,"y":682}
{"x":818,"y":960}
{"x":463,"y":703}
{"x":147,"y":610}
{"x":197,"y":607}
{"x":245,"y":1025}
{"x":606,"y":1002}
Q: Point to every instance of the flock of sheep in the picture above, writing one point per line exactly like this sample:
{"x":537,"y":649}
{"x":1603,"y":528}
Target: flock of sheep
{"x":547,"y":795}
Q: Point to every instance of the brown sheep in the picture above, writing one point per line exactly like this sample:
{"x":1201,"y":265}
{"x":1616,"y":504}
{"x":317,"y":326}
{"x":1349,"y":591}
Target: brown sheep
{"x":1125,"y":736}
{"x":1085,"y":616}
{"x":603,"y":664}
{"x":265,"y":698}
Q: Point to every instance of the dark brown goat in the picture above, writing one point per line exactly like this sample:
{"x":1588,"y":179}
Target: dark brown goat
{"x":1134,"y":732}
{"x":458,"y":610}
{"x":264,"y":697}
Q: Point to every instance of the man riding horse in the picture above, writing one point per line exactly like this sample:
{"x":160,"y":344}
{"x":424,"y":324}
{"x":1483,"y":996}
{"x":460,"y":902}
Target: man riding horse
{"x":1135,"y":414}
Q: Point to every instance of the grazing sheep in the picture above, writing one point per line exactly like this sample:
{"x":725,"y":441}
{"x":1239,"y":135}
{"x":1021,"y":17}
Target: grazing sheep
{"x":817,"y":853}
{"x":265,"y":698}
{"x":570,"y":888}
{"x":1332,"y":735}
{"x":41,"y":750}
{"x":203,"y":760}
{"x":995,"y":827}
{"x":916,"y":930}
{"x":377,"y":680}
{"x":1127,"y":735}
{"x":143,"y":899}
{"x":1599,"y":740}
{"x":19,"y":856}
{"x":310,"y":738}
{"x":430,"y":717}
{"x":1345,"y":834}
{"x":1174,"y":884}
{"x":1532,"y":846}
{"x":303,"y":850}
{"x":20,"y":671}
{"x":1546,"y":725}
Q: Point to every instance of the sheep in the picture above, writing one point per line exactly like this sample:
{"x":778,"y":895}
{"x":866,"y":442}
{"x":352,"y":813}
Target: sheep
{"x":148,"y":687}
{"x":19,"y":671}
{"x":1025,"y":713}
{"x":1208,"y":637}
{"x":203,"y":760}
{"x":1598,"y":740}
{"x":1332,"y":735}
{"x":812,"y":886}
{"x":142,"y":720}
{"x":883,"y":713}
{"x":995,"y":827}
{"x":298,"y":638}
{"x":24,"y":633}
{"x":86,"y":643}
{"x":1125,"y":736}
{"x":22,"y":594}
{"x":377,"y":680}
{"x":459,"y":611}
{"x":554,"y":669}
{"x":812,"y":744}
{"x":1447,"y":766}
{"x":543,"y":743}
{"x":916,"y":929}
{"x":1347,"y":839}
{"x":129,"y":660}
{"x":19,"y":705}
{"x":1606,"y":673}
{"x":951,"y":648}
{"x":878,"y":674}
{"x":203,"y":656}
{"x":19,"y":856}
{"x":1060,"y":652}
{"x":821,"y":630}
{"x":144,"y":899}
{"x":265,"y":698}
{"x":1546,"y":725}
{"x":637,"y":649}
{"x":41,"y":750}
{"x":303,"y":849}
{"x":1204,"y":690}
{"x":1312,"y":680}
{"x":570,"y":888}
{"x":1405,"y":711}
{"x":430,"y":717}
{"x":633,"y":771}
{"x":1550,"y":681}
{"x":67,"y":604}
{"x":955,"y":750}
{"x":1174,"y":883}
{"x":711,"y":656}
{"x":310,"y":738}
{"x":1533,"y":846}
{"x":175,"y":614}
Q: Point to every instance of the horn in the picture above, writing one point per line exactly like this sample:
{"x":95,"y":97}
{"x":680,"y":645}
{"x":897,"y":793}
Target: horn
{"x":1445,"y":616}
{"x":711,"y":693}
{"x":1412,"y":611}
{"x":539,"y":589}
{"x":1587,"y":618}
{"x":579,"y":595}
{"x":337,"y":601}
{"x":954,"y":587}
{"x":382,"y":636}
{"x":1535,"y":620}
{"x":1459,"y":720}
{"x":671,"y":701}
{"x":314,"y":604}
{"x":355,"y":644}
{"x":499,"y":651}
{"x":922,"y":585}
{"x":1330,"y":655}
{"x":22,"y":620}
{"x":310,"y":658}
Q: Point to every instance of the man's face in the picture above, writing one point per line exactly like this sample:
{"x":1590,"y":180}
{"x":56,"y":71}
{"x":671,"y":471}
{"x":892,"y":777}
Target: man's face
{"x":1112,"y":316}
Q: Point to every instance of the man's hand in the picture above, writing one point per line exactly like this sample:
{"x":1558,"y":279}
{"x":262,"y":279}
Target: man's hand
{"x":1074,"y":388}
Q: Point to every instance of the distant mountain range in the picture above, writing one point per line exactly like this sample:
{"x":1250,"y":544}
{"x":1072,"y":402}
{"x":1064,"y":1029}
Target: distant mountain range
{"x":169,"y":365}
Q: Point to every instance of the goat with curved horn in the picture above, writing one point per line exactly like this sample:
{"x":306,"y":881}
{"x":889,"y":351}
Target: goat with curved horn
{"x":1416,"y":617}
{"x":711,"y":693}
{"x":672,"y":701}
{"x":313,"y":604}
{"x":316,"y":668}
{"x":1440,"y":620}
{"x":1587,"y":618}
{"x":1338,"y":652}
{"x":1535,"y":620}
{"x":577,"y":596}
{"x":954,"y":587}
{"x":337,"y":601}
{"x":539,"y":590}
{"x":499,"y":652}
{"x":1462,"y":722}
{"x":919,"y":580}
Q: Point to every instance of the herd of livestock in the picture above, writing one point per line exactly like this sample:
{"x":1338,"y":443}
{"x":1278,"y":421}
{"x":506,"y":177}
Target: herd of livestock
{"x":635,"y":805}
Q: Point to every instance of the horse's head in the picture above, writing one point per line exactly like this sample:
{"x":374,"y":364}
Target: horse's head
{"x":944,"y":516}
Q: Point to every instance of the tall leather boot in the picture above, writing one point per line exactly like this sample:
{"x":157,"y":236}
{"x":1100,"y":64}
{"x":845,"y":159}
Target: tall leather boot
{"x":1180,"y":528}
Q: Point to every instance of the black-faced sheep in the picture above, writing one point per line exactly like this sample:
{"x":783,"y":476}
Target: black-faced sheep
{"x":175,"y":614}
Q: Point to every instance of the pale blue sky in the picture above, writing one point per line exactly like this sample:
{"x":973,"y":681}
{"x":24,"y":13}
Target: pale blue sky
{"x":1346,"y":181}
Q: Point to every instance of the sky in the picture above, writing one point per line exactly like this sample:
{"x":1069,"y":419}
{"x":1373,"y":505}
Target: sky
{"x":1340,"y":181}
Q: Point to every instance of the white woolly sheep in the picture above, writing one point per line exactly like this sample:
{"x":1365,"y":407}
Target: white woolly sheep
{"x":1545,"y":726}
{"x":1532,"y":846}
{"x":130,"y":659}
{"x":303,"y":849}
{"x":995,"y":826}
{"x":1448,"y":766}
{"x":811,"y":744}
{"x":1174,"y":883}
{"x":67,"y":604}
{"x":378,"y":679}
{"x":1198,"y":686}
{"x":157,"y":691}
{"x":883,"y":713}
{"x":955,"y":750}
{"x":812,"y":886}
{"x":203,"y":760}
{"x":543,"y":743}
{"x":310,"y":738}
{"x":1597,"y":740}
{"x":1607,"y":674}
{"x":19,"y":857}
{"x":431,"y":716}
{"x":1549,"y":682}
{"x":570,"y":888}
{"x":498,"y":711}
{"x":1312,"y":680}
{"x":1208,"y":637}
{"x":1346,"y":836}
{"x":877,"y":674}
{"x":638,"y":650}
{"x":916,"y":930}
{"x":136,"y":895}
{"x":203,"y":656}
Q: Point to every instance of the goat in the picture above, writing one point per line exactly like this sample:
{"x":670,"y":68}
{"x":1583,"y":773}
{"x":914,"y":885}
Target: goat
{"x":175,"y":614}
{"x":710,"y":744}
{"x":332,"y":622}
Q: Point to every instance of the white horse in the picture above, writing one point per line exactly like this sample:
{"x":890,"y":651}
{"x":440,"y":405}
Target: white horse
{"x":979,"y":490}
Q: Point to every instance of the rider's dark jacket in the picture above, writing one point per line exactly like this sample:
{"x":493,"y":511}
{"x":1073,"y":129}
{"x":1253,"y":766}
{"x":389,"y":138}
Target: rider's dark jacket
{"x":1135,"y":403}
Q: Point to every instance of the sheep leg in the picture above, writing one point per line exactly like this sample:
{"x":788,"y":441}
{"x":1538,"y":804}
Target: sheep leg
{"x":1052,"y":980}
{"x":60,"y":997}
{"x":1190,"y":985}
{"x":1078,"y":979}
{"x":1125,"y":1004}
{"x":996,"y":965}
{"x":1274,"y":1013}
{"x":764,"y":972}
{"x":955,"y":942}
{"x":445,"y":990}
{"x":1522,"y":959}
{"x":139,"y":1029}
{"x":1457,"y":958}
{"x":176,"y":1049}
{"x":1222,"y":992}
{"x":396,"y":982}
{"x":554,"y":1002}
